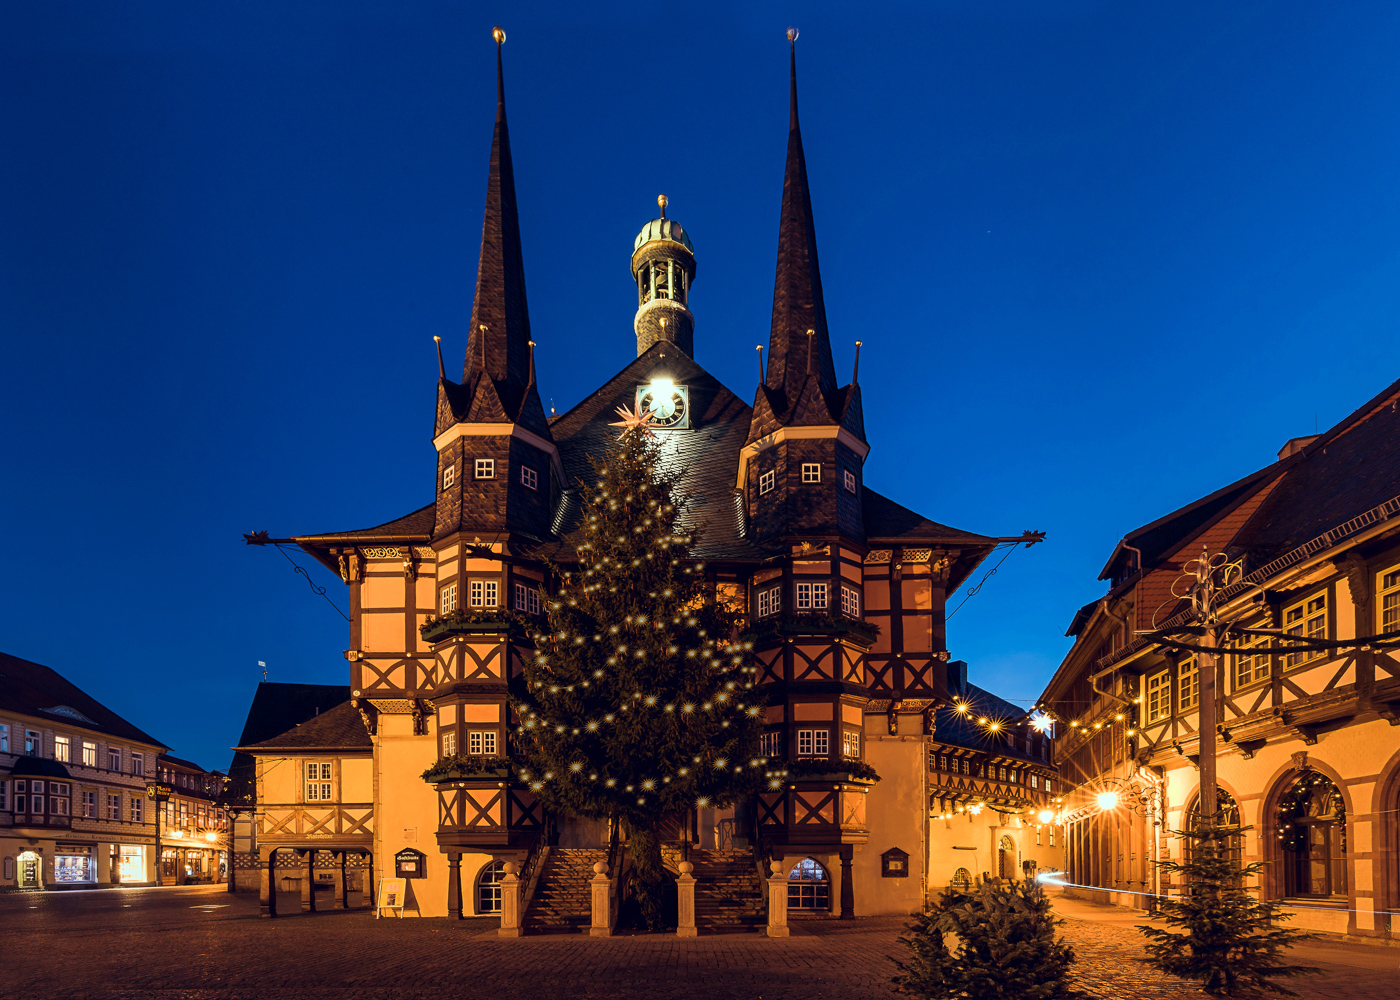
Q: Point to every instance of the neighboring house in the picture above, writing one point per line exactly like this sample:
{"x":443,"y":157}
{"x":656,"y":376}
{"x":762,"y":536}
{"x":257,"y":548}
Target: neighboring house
{"x":843,"y":588}
{"x":315,"y":804}
{"x":276,"y":708}
{"x":194,"y":827}
{"x":1308,"y":749}
{"x":73,"y":805}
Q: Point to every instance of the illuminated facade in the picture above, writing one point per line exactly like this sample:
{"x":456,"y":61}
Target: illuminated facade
{"x":1308,"y":745}
{"x":844,"y":591}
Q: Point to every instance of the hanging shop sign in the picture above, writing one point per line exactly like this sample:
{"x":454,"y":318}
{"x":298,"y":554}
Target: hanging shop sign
{"x":159,"y":792}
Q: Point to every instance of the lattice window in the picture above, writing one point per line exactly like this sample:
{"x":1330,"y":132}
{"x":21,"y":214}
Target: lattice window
{"x":1308,"y":620}
{"x":483,"y":593}
{"x":811,"y":596}
{"x":449,"y":743}
{"x":811,"y":472}
{"x":766,"y":482}
{"x":809,"y":886}
{"x":318,"y":781}
{"x":488,"y":888}
{"x":917,"y":555}
{"x":1251,"y":667}
{"x":485,"y":468}
{"x":527,"y":599}
{"x":813,"y":743}
{"x":850,"y":743}
{"x":850,"y":601}
{"x":879,"y":555}
{"x":769,"y":602}
{"x":482,"y":743}
{"x":1158,"y":698}
{"x":449,"y":476}
{"x":449,"y":598}
{"x":528,"y":478}
{"x":848,"y":478}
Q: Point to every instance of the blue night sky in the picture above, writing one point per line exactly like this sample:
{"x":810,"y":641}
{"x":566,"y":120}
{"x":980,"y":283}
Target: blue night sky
{"x":1104,"y":257}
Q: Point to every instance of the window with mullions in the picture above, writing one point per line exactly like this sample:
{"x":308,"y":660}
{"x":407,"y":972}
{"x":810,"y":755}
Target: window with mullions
{"x":449,"y":598}
{"x":813,"y":743}
{"x":850,"y":602}
{"x":318,"y":781}
{"x":1251,"y":668}
{"x":488,"y":888}
{"x":1388,"y":607}
{"x":529,"y":478}
{"x":482,"y":743}
{"x":485,"y":468}
{"x":1157,"y":697}
{"x":1312,"y":822}
{"x":449,"y":476}
{"x":850,"y":744}
{"x":811,"y":472}
{"x":769,"y":602}
{"x":61,"y":748}
{"x":1188,"y":685}
{"x":811,"y":596}
{"x":809,"y":886}
{"x":1308,"y":620}
{"x":484,"y":593}
{"x":771,"y":744}
{"x":527,"y":599}
{"x":766,"y":481}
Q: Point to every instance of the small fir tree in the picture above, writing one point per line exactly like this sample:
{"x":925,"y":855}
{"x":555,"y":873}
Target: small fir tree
{"x":1227,"y":939}
{"x":995,"y":941}
{"x":639,"y":701}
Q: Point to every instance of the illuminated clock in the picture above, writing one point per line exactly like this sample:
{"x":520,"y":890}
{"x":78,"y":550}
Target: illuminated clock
{"x":668,"y":403}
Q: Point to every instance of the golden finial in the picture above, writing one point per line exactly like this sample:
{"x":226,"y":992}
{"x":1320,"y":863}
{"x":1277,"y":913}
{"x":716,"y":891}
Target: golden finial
{"x":499,"y":34}
{"x":662,"y":202}
{"x":792,"y":34}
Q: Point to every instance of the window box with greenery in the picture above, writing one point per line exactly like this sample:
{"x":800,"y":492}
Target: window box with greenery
{"x":475,"y":620}
{"x":466,"y":767}
{"x":815,"y":623}
{"x":821,"y":769}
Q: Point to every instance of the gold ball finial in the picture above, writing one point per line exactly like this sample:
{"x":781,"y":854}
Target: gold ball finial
{"x":662,"y":202}
{"x":499,"y":34}
{"x":792,"y":34}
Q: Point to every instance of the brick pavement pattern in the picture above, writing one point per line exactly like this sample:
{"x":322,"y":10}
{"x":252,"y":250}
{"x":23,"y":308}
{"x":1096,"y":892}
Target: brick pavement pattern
{"x":201,"y":943}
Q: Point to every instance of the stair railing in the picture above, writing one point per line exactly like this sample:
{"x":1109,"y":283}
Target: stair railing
{"x":530,"y":871}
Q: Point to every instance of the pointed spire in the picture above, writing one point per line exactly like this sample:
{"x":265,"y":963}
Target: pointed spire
{"x":797,"y":291}
{"x":499,"y":336}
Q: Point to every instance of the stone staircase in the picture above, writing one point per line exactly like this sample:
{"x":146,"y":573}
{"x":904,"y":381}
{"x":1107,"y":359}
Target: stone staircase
{"x":728,"y":896}
{"x":562,"y":903}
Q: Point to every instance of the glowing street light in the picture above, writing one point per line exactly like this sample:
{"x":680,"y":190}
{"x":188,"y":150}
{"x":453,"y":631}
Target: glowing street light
{"x":1108,"y":800}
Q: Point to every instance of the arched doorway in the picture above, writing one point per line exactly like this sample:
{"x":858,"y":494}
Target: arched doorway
{"x":1312,"y":822}
{"x":30,"y":870}
{"x":1006,"y":858}
{"x":809,"y":886}
{"x":488,"y":888}
{"x":1228,"y":814}
{"x":962,"y":880}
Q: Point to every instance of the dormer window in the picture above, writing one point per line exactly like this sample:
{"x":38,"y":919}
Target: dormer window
{"x":485,"y":468}
{"x":449,"y":476}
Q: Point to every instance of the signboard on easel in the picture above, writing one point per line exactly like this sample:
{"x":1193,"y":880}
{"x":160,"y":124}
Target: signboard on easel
{"x":392,"y":895}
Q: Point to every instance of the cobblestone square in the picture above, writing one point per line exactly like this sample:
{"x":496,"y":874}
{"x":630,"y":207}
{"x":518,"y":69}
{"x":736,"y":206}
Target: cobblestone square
{"x":202,"y":943}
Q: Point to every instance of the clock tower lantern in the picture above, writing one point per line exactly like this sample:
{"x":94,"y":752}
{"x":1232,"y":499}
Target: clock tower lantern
{"x":663,"y":265}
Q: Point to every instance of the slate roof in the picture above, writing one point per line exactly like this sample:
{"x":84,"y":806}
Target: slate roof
{"x":167,"y":758}
{"x":38,"y":767}
{"x":953,"y":728}
{"x":887,"y":521}
{"x":277,"y":707}
{"x":339,"y":728}
{"x":417,"y":526}
{"x":30,"y":688}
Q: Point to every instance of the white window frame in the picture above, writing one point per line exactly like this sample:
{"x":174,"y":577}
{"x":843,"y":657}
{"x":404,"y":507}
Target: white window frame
{"x":449,"y":476}
{"x":850,"y":744}
{"x":89,"y":754}
{"x":527,"y":599}
{"x":138,"y":810}
{"x":769,"y":601}
{"x":114,"y":753}
{"x":771,"y":744}
{"x":138,"y":764}
{"x":318,"y":779}
{"x":62,"y":748}
{"x":485,"y":593}
{"x":1157,"y":697}
{"x":1251,"y":668}
{"x":848,"y":479}
{"x":1388,"y":600}
{"x":89,"y":805}
{"x":850,"y":601}
{"x":529,"y":478}
{"x":33,"y":743}
{"x":449,"y":743}
{"x":4,"y":738}
{"x":481,"y":743}
{"x":811,"y":472}
{"x":766,"y":481}
{"x":1188,"y":684}
{"x":1307,"y":619}
{"x":817,"y":742}
{"x":485,"y":468}
{"x":811,"y":596}
{"x":114,"y":805}
{"x":448,"y":600}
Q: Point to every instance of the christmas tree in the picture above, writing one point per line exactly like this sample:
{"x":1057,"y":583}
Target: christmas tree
{"x":1228,"y":939}
{"x":995,"y":941}
{"x":638,"y":703}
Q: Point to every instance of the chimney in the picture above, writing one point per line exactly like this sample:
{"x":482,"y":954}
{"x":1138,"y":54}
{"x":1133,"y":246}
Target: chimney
{"x":957,"y":676}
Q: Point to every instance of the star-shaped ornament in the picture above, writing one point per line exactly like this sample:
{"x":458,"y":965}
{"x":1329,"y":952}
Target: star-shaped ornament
{"x":634,"y":420}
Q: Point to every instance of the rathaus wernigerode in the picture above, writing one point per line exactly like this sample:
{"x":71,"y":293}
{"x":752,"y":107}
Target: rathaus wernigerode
{"x":893,"y":791}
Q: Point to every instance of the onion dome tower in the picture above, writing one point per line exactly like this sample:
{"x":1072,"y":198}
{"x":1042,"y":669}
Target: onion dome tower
{"x":663,"y":265}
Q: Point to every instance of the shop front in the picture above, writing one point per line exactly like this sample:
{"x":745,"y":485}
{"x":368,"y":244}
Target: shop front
{"x":131,"y":863}
{"x":74,"y":864}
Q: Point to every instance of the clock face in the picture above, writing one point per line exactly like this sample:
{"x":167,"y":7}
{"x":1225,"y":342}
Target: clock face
{"x":669,"y":405}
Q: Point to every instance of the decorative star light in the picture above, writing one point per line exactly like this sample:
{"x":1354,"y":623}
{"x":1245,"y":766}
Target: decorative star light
{"x":634,"y":420}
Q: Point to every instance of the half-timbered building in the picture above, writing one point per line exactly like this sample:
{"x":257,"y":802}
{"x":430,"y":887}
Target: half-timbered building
{"x":843,"y":587}
{"x":1308,"y":749}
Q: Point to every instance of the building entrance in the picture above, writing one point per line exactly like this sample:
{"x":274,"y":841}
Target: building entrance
{"x":31,"y":871}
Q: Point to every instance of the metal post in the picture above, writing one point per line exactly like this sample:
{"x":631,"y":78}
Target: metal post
{"x":1204,"y":600}
{"x":685,"y":901}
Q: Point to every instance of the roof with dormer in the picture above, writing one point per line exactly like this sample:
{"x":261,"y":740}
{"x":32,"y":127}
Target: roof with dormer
{"x":32,"y":689}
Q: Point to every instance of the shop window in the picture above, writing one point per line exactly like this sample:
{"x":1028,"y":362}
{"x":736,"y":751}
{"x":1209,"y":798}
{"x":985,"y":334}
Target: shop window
{"x":482,"y":743}
{"x":1312,"y":823}
{"x":813,"y":743}
{"x":811,"y":472}
{"x":850,"y":744}
{"x":771,"y":744}
{"x":809,"y":886}
{"x":528,"y":478}
{"x":766,"y":481}
{"x":1157,"y":704}
{"x":1188,"y":685}
{"x":318,"y":781}
{"x":483,"y":593}
{"x":769,"y":602}
{"x":1308,"y":620}
{"x":488,"y":888}
{"x":850,"y":602}
{"x":449,"y":476}
{"x":811,"y":596}
{"x":1389,"y":604}
{"x":485,"y":468}
{"x":527,"y":599}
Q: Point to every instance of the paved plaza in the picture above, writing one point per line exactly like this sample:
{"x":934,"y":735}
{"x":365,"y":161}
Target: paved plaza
{"x":201,"y":943}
